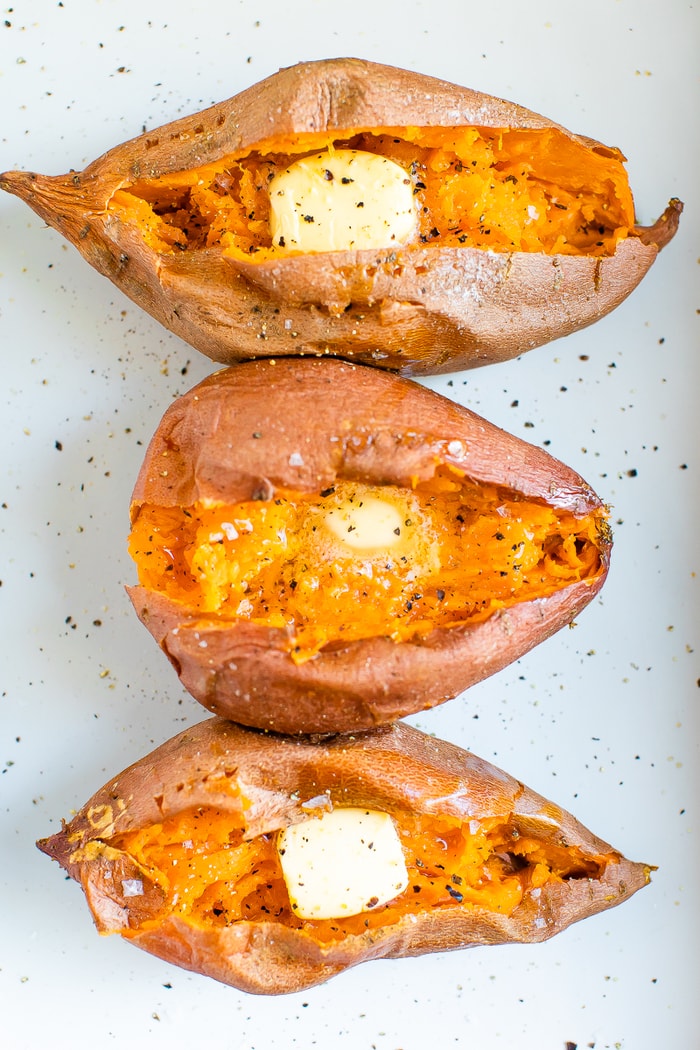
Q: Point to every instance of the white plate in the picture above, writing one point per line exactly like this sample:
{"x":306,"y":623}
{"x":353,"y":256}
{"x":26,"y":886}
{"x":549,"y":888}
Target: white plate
{"x":603,"y":718}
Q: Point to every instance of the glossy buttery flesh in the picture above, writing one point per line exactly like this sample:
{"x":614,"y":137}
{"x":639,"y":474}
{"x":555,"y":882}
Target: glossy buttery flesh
{"x":342,"y":863}
{"x":199,"y":865}
{"x":358,"y":561}
{"x":494,"y":188}
{"x":343,"y":199}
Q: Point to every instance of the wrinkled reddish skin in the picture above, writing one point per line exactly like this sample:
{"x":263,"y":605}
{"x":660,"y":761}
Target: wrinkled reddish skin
{"x":345,"y":422}
{"x":395,"y":768}
{"x":419,"y":311}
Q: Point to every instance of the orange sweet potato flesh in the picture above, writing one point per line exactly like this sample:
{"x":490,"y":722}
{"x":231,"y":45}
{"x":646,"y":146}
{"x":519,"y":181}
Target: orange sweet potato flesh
{"x":177,"y":853}
{"x":270,"y":622}
{"x":527,"y":231}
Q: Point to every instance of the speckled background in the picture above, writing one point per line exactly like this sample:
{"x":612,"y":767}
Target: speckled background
{"x":602,"y":718}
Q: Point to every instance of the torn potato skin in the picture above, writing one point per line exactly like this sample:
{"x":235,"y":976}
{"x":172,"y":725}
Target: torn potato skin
{"x":275,"y":620}
{"x":526,"y":231}
{"x":177,"y":853}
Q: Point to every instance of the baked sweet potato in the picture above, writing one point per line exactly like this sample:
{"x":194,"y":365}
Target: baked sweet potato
{"x":323,"y":547}
{"x":520,"y":231}
{"x":180,"y":854}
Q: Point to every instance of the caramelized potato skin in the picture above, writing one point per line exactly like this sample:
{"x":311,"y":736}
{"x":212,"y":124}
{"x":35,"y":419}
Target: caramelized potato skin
{"x":265,"y":782}
{"x":246,"y":432}
{"x":427,"y":309}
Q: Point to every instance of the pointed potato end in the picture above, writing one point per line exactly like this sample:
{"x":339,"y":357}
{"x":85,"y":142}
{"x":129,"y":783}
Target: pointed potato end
{"x":56,"y":847}
{"x":18,"y":182}
{"x":665,"y":227}
{"x":55,"y":198}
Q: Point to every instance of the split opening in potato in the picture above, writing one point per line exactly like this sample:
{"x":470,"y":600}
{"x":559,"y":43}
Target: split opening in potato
{"x":200,"y":865}
{"x":357,"y":561}
{"x":504,"y":189}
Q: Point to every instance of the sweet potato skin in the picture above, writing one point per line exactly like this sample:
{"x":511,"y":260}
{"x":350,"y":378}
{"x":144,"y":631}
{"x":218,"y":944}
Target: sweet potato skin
{"x":264,"y":780}
{"x":303,"y":425}
{"x":427,"y":310}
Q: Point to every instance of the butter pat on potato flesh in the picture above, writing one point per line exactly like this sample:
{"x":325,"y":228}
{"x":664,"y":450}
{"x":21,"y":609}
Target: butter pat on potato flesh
{"x":344,"y":199}
{"x":179,"y":854}
{"x":366,"y":523}
{"x":498,"y":230}
{"x":322,"y":547}
{"x":342,"y":863}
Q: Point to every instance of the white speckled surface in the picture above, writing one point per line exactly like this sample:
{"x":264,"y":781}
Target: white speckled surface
{"x":603,"y":718}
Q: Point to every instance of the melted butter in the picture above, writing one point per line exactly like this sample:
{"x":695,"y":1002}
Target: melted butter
{"x":342,"y":199}
{"x":342,"y":863}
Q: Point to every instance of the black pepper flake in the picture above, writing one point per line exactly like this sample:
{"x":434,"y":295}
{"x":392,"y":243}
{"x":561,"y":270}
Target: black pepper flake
{"x":328,"y":175}
{"x":498,"y":536}
{"x":328,"y":492}
{"x":58,"y":445}
{"x":345,"y":180}
{"x":360,"y":204}
{"x":308,"y":218}
{"x":440,"y":594}
{"x":455,"y":894}
{"x":397,"y":531}
{"x":632,"y":473}
{"x":281,"y":242}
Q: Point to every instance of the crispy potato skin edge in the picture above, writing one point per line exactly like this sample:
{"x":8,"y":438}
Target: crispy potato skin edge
{"x":217,"y":763}
{"x":450,"y":309}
